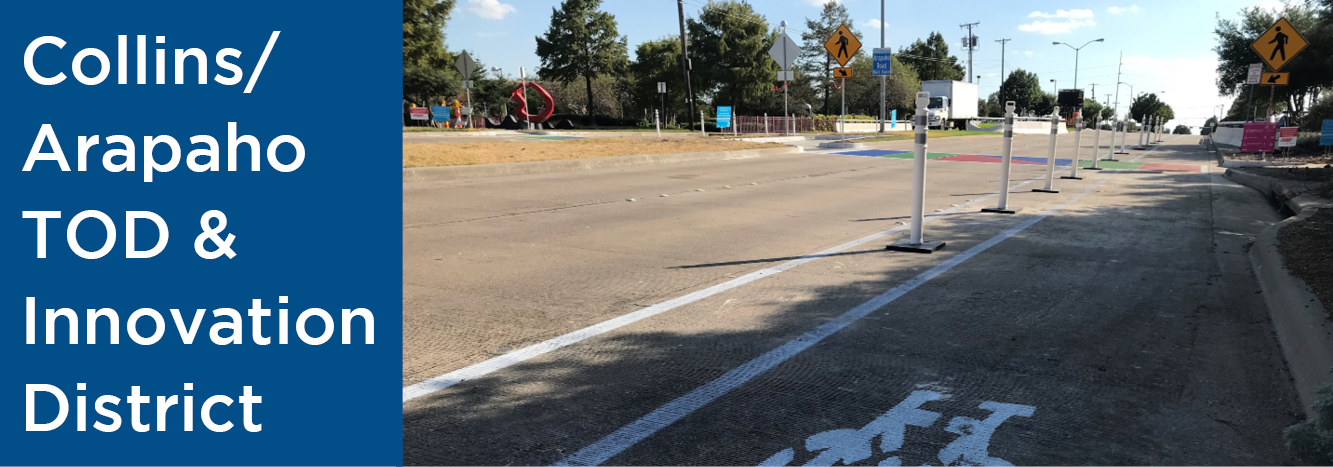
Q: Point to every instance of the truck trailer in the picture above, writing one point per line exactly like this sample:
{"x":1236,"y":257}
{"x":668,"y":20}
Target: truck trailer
{"x":952,"y":103}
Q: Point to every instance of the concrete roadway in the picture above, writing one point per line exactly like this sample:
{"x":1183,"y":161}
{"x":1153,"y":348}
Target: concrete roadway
{"x":549,"y":320}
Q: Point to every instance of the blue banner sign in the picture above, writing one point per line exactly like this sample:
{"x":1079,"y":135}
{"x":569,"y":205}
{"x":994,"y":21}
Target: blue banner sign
{"x":883,"y":63}
{"x":724,"y":117}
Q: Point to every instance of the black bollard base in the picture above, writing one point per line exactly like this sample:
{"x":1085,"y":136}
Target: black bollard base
{"x":924,"y":247}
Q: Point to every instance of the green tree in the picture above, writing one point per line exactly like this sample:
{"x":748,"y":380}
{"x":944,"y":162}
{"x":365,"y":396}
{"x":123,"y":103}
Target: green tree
{"x":427,"y":65}
{"x":658,"y":61}
{"x":863,"y":88}
{"x":1181,"y":130}
{"x":1148,"y":105}
{"x":731,"y":43}
{"x":1024,"y":89}
{"x":932,"y":60}
{"x":582,"y":41}
{"x":815,"y":61}
{"x":1310,"y":71}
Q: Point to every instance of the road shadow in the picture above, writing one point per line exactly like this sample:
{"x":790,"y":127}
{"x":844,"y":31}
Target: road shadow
{"x":1112,"y":320}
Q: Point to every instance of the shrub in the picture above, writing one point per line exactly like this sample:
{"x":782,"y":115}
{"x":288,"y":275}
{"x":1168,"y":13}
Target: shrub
{"x":1312,"y":440}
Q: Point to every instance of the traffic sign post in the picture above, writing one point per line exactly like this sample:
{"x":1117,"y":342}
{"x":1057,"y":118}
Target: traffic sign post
{"x":915,"y":244}
{"x":843,"y":45}
{"x":1255,"y":74}
{"x":661,"y":89}
{"x":1078,"y":135}
{"x":785,"y":51}
{"x":1326,"y":133}
{"x":1006,"y":150}
{"x":1286,"y":136}
{"x":882,"y":66}
{"x":466,"y":66}
{"x":1050,"y":155}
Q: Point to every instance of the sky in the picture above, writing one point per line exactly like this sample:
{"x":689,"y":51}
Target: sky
{"x":1167,"y":46}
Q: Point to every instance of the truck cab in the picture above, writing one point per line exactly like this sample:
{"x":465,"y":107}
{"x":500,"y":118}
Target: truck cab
{"x":937,"y":112}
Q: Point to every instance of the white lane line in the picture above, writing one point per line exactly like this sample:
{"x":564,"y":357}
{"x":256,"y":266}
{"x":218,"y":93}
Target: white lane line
{"x":664,"y":416}
{"x":486,"y":367}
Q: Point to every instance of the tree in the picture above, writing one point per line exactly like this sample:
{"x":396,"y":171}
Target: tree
{"x":657,"y":61}
{"x":1181,"y":130}
{"x":731,"y":43}
{"x":582,"y":42}
{"x":1092,"y":111}
{"x":1024,"y":89}
{"x":427,"y":69}
{"x":899,"y":89}
{"x":932,"y":60}
{"x":815,"y":61}
{"x":1148,"y":105}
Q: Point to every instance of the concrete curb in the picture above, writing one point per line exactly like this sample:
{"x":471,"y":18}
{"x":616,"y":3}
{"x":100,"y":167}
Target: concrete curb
{"x":1295,"y":195}
{"x":772,"y":139}
{"x":463,"y":172}
{"x":1303,"y":326}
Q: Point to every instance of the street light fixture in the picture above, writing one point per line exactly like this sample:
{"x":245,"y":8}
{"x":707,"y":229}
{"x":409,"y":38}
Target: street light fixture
{"x":1076,"y":49}
{"x":1055,"y":87}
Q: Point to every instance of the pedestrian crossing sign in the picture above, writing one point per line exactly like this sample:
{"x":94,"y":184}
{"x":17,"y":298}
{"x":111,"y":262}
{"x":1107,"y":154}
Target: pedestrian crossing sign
{"x":1279,"y":44}
{"x":842,"y":45}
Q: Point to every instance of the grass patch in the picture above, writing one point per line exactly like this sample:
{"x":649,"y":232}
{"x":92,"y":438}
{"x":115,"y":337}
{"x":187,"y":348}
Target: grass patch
{"x":929,"y":134}
{"x":987,"y":124}
{"x":497,"y":152}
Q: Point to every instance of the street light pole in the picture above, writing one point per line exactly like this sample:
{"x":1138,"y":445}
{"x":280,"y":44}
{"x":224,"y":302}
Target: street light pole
{"x":1076,"y":50}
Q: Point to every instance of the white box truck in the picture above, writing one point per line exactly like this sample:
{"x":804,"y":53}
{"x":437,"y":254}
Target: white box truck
{"x":952,"y":103}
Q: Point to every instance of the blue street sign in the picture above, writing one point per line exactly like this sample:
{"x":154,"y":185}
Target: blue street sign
{"x":893,"y":118}
{"x":882,"y":64}
{"x":441,"y":113}
{"x":1326,"y":134}
{"x":724,"y":116}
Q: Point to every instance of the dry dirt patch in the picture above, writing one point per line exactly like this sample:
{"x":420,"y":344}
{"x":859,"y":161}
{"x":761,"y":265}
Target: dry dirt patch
{"x":494,"y":152}
{"x":1307,"y":252}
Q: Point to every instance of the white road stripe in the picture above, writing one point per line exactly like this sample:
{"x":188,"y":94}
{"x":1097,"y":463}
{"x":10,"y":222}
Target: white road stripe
{"x":664,"y":416}
{"x":518,"y":356}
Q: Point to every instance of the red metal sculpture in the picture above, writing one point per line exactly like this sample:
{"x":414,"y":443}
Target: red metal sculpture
{"x":521,"y":110}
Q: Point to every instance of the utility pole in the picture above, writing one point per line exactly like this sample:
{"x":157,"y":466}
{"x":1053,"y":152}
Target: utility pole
{"x":971,"y":42}
{"x":685,"y":63}
{"x":1002,"y":75}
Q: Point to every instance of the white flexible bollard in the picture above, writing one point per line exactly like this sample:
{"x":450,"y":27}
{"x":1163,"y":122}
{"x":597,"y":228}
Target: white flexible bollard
{"x":1096,"y":142}
{"x":915,"y":243}
{"x":1050,"y":155}
{"x":1078,"y":136}
{"x":1006,"y":153}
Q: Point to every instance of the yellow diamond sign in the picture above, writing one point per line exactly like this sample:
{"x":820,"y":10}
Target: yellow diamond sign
{"x":1279,"y":44}
{"x":842,"y":45}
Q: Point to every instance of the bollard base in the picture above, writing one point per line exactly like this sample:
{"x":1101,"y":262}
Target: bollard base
{"x":1092,"y":168}
{"x":1002,"y":210}
{"x":924,"y":247}
{"x":1110,"y":160}
{"x":1067,"y":177}
{"x":1045,"y":190}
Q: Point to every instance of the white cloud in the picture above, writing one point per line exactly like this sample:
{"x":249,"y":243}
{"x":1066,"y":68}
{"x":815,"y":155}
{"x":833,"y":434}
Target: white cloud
{"x":1072,"y":14}
{"x":1027,"y":52}
{"x":873,"y":24}
{"x":1115,"y":10}
{"x":1055,"y":27}
{"x":1061,"y":21}
{"x":489,"y":9}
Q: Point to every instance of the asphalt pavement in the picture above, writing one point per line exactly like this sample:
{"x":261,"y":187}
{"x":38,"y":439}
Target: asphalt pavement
{"x":752,"y":316}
